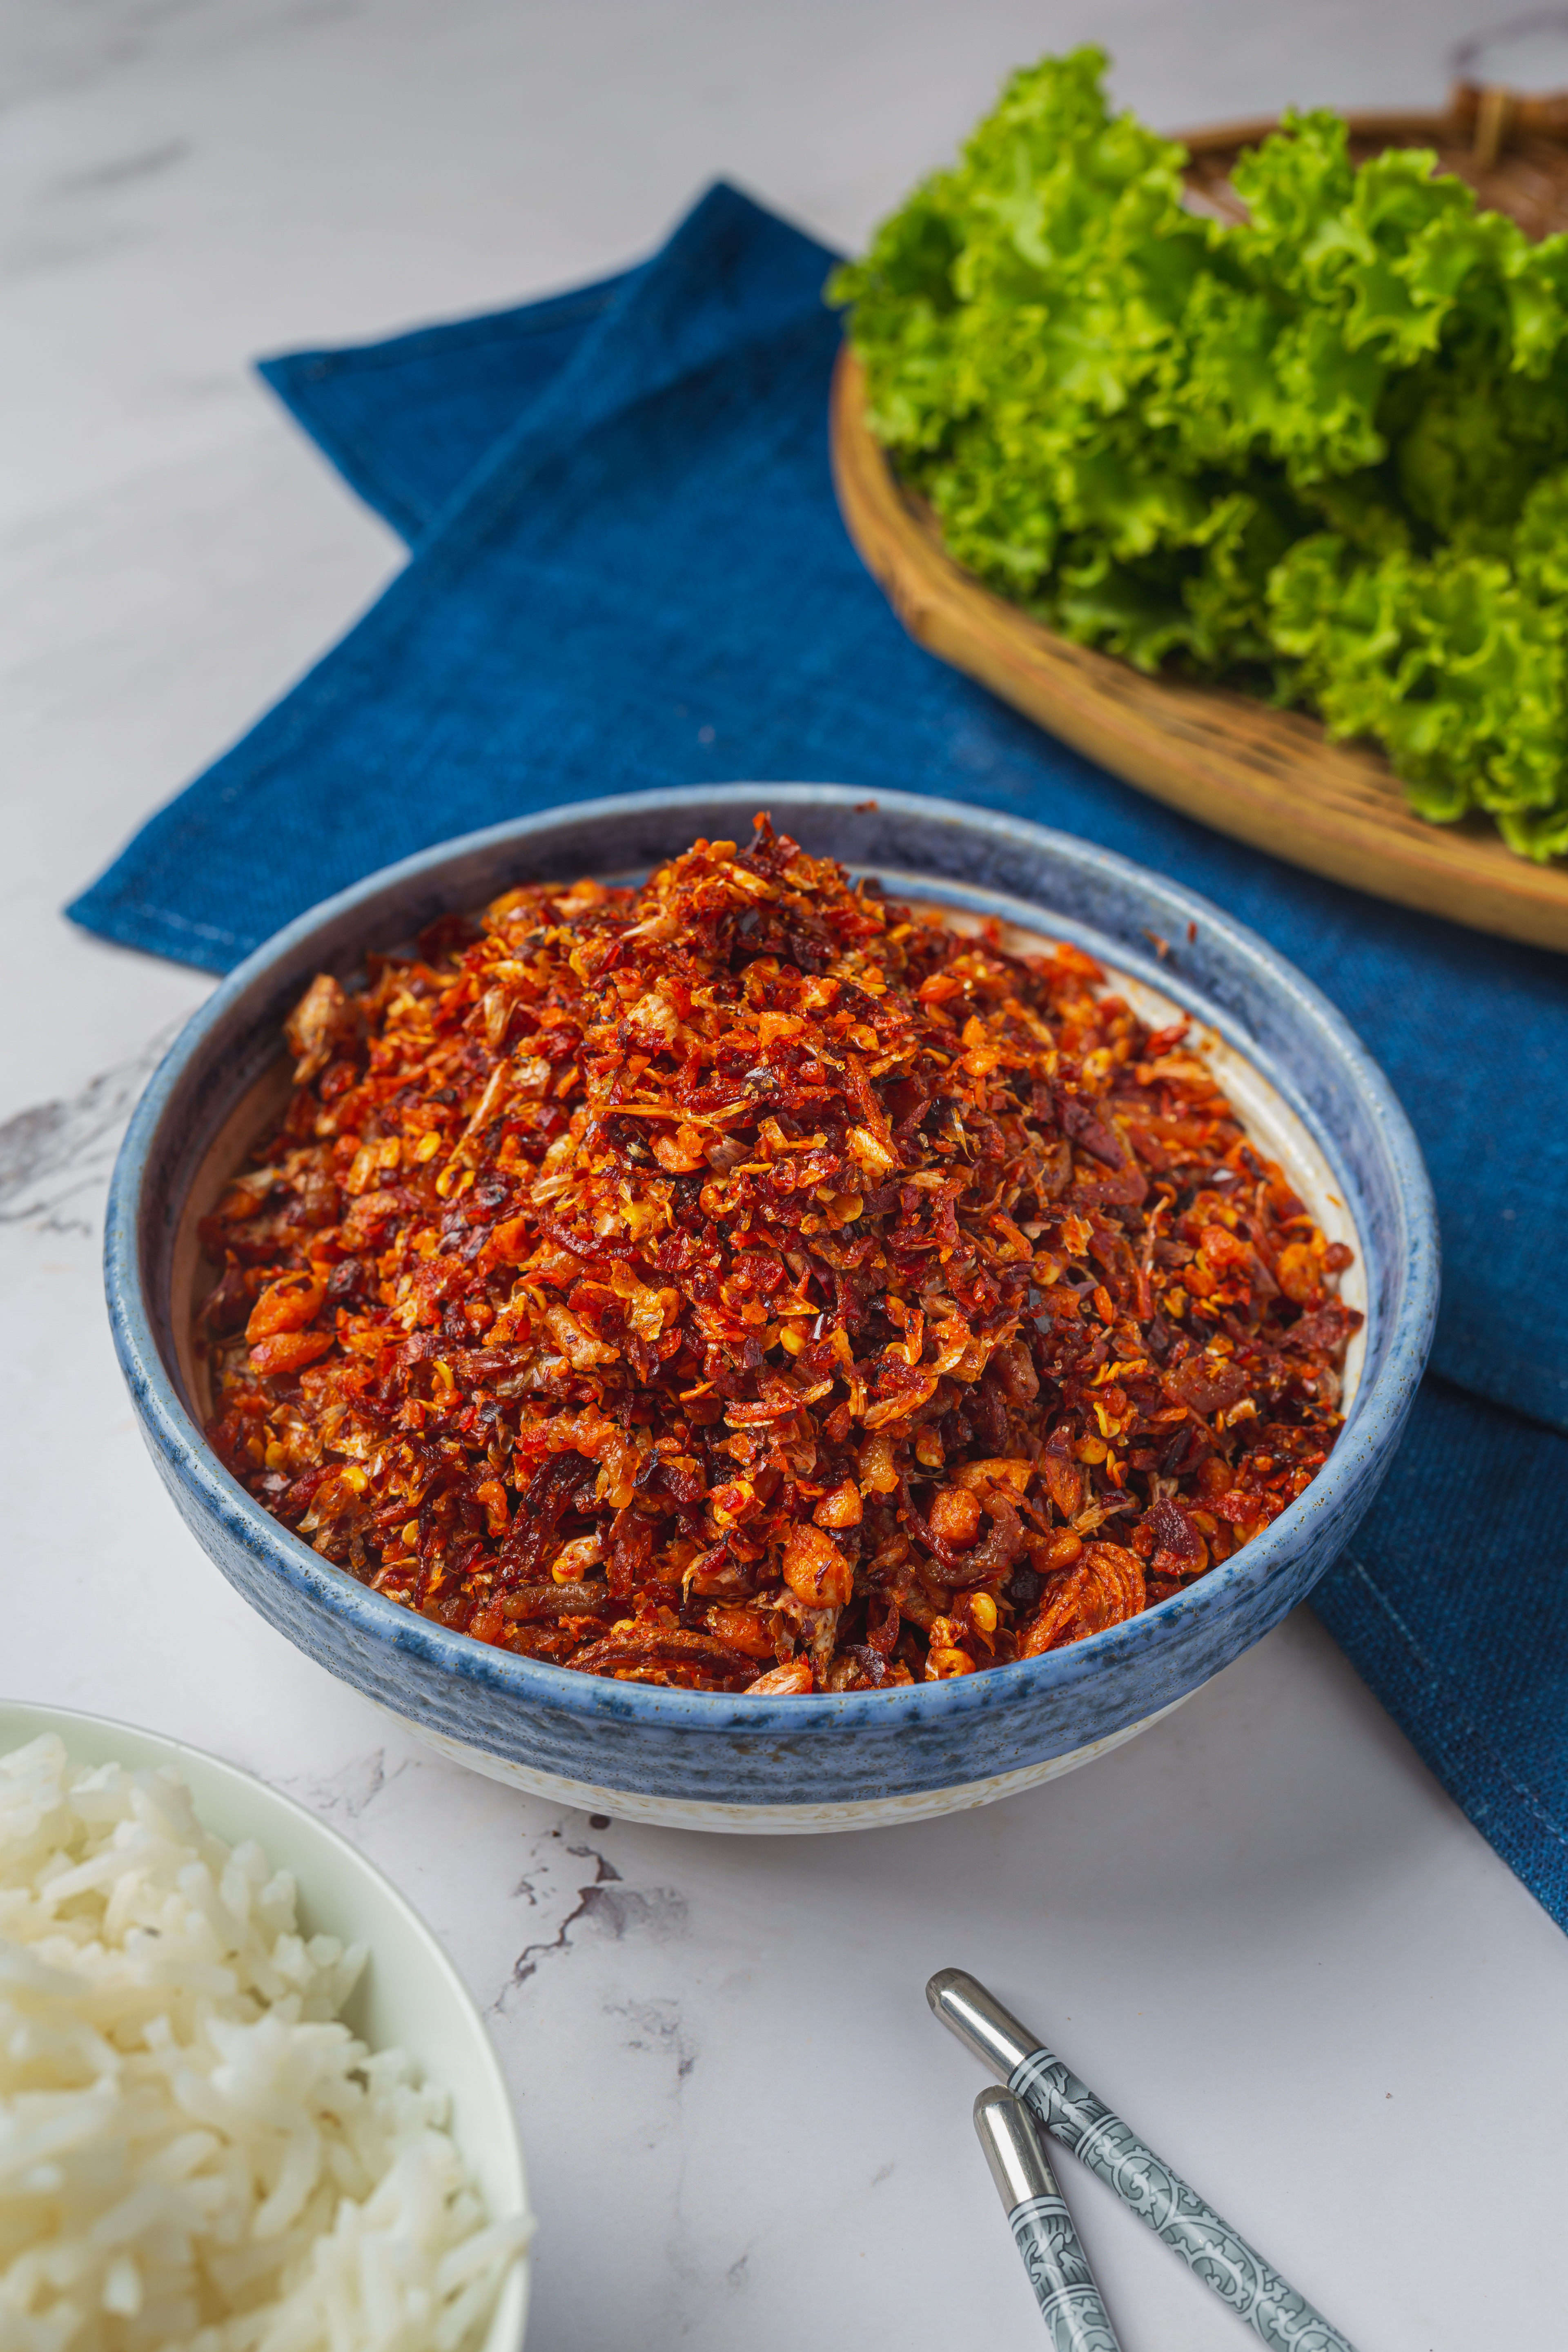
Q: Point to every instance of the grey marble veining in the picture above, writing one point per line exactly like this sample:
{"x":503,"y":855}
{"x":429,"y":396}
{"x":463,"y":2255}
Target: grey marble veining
{"x":55,"y":1157}
{"x":721,"y":2046}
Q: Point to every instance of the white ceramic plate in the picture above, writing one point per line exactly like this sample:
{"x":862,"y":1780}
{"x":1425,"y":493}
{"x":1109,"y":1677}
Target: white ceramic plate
{"x":410,"y":1995}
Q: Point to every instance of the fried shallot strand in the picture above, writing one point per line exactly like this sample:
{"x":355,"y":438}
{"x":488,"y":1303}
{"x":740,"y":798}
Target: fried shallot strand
{"x":747,"y":1280}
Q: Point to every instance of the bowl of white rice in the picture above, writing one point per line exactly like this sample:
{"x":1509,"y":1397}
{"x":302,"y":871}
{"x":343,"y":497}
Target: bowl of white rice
{"x":247,"y":2103}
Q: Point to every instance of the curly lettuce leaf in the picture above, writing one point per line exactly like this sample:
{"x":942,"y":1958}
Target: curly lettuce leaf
{"x":1328,"y":444}
{"x":1450,"y":663}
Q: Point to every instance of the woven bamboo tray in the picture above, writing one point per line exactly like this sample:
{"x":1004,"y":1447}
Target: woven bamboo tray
{"x":1269,"y":777}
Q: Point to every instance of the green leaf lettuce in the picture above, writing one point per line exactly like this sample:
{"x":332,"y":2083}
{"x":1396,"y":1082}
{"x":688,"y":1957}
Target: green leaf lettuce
{"x":1321,"y":452}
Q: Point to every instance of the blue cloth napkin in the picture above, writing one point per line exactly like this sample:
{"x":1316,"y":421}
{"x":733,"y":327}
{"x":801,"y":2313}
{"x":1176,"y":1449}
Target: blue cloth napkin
{"x":628,"y":572}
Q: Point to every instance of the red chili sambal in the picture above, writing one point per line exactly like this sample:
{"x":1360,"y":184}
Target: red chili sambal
{"x":744,"y":1282}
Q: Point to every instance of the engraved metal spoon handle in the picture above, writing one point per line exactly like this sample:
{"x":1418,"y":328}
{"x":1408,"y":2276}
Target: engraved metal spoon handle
{"x":1042,"y":2227}
{"x":1070,"y":2111}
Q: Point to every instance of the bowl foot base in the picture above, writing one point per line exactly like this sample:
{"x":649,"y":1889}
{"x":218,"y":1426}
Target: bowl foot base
{"x":770,"y":1821}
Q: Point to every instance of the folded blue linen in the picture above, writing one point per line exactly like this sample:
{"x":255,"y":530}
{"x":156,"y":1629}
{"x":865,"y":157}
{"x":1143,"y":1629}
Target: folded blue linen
{"x":406,"y":422}
{"x":628,"y":572}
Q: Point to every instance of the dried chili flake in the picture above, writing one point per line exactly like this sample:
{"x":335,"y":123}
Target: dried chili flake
{"x":747,"y":1282}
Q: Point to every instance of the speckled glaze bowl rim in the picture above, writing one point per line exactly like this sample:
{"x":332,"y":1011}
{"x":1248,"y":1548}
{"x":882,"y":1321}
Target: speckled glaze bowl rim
{"x":1376,"y":1414}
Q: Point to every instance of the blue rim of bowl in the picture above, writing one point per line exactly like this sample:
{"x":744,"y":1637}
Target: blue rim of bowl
{"x":1377,"y":1411}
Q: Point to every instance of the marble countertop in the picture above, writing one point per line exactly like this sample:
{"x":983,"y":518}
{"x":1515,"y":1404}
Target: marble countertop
{"x":1262,"y":1930}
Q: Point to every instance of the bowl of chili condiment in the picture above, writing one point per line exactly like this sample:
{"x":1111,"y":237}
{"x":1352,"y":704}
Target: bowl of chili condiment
{"x":771,"y":1321}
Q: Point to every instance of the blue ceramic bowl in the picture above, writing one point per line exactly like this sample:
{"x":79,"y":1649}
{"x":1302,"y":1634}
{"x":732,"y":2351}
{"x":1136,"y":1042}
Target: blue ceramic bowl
{"x":848,"y":1761}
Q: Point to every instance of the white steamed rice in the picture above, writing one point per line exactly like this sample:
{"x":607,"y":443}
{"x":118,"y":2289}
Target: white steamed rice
{"x":195,"y":2155}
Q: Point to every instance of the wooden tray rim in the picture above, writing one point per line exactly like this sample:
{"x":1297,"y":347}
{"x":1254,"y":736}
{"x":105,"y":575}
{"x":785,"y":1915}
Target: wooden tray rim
{"x":1226,"y":758}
